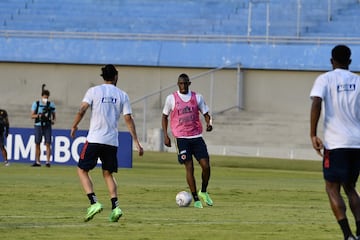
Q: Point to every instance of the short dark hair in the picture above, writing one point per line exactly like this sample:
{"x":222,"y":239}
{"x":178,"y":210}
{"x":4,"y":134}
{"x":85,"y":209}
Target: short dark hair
{"x":108,"y":72}
{"x":341,"y":54}
{"x":44,"y":92}
{"x":184,"y":77}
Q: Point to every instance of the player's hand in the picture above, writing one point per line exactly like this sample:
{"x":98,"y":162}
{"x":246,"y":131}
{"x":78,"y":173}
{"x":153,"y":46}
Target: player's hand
{"x":167,"y":141}
{"x":317,"y":145}
{"x":73,"y":131}
{"x":140,"y":149}
{"x":209,"y":128}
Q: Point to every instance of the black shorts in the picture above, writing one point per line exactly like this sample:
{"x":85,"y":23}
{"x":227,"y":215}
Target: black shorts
{"x":341,"y":165}
{"x":2,"y":139}
{"x":91,"y":152}
{"x":187,"y":147}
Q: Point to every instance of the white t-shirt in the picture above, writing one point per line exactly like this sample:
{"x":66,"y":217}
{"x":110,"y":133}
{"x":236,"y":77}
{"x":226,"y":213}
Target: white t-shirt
{"x":107,"y":103}
{"x":340,"y":91}
{"x":170,"y":104}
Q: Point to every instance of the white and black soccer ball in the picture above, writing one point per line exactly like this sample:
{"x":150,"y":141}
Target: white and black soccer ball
{"x":183,"y":199}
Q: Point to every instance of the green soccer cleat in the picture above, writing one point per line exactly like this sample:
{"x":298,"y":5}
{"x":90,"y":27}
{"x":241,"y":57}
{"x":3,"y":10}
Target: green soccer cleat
{"x":92,"y":210}
{"x":115,"y":214}
{"x":206,"y":198}
{"x":198,"y":204}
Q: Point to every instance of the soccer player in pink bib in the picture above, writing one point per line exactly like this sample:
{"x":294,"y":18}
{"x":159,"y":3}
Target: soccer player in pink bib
{"x":183,"y":107}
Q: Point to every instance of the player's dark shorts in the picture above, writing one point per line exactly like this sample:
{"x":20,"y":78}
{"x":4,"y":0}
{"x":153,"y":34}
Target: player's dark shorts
{"x":2,"y":139}
{"x":341,"y":165}
{"x":91,"y":152}
{"x":187,"y":147}
{"x":43,"y":131}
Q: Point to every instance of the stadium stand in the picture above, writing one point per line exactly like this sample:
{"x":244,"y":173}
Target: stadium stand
{"x":253,"y":28}
{"x":175,"y":17}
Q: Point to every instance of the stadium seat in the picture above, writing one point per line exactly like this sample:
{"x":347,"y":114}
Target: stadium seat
{"x":182,"y":20}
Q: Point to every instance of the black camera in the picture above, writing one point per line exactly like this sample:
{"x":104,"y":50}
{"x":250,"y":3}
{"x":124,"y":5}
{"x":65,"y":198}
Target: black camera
{"x":45,"y":116}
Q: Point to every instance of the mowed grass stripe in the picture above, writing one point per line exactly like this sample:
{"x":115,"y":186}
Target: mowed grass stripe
{"x":254,"y":199}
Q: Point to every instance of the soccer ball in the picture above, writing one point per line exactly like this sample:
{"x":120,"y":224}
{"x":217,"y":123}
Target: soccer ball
{"x":183,"y":199}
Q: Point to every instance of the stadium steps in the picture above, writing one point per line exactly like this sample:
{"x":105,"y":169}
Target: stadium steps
{"x":230,"y":128}
{"x":249,"y":133}
{"x":235,"y":132}
{"x":244,"y":128}
{"x":180,"y":17}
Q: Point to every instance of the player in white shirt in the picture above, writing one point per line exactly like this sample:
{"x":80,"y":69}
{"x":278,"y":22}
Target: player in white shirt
{"x":338,"y":91}
{"x":107,"y":103}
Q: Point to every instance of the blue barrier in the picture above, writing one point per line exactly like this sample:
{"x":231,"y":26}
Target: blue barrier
{"x":20,"y":145}
{"x":314,"y":57}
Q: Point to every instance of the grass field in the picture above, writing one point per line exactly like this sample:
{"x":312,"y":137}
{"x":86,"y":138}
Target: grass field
{"x":253,"y":199}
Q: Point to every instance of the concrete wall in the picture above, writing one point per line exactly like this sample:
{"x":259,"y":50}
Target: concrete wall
{"x":274,"y":121}
{"x":264,"y":91}
{"x":278,"y":91}
{"x":21,"y":85}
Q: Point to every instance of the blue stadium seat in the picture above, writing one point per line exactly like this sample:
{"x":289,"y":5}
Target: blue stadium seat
{"x":182,"y":18}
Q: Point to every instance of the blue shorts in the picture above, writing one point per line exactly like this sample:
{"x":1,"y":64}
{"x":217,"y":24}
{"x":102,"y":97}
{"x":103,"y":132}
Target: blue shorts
{"x":341,"y":165}
{"x":187,"y":147}
{"x":43,"y":131}
{"x":91,"y":152}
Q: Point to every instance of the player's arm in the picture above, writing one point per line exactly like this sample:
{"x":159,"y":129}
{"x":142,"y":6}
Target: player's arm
{"x":208,"y":121}
{"x":314,"y":120}
{"x":204,"y":109}
{"x":53,"y":114}
{"x":132,"y":129}
{"x":78,"y":117}
{"x":34,"y":114}
{"x":164,"y":124}
{"x":53,"y":119}
{"x":168,"y":107}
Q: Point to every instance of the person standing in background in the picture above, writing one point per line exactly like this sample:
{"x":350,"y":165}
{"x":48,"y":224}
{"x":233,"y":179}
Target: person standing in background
{"x":43,"y":112}
{"x":4,"y":132}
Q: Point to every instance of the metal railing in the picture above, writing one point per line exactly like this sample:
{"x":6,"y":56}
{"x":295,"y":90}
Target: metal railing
{"x":179,"y":37}
{"x":297,"y":9}
{"x":299,"y":12}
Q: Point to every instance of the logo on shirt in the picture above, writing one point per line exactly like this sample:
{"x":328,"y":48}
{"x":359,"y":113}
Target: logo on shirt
{"x":186,"y":110}
{"x":108,"y":100}
{"x":346,"y":87}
